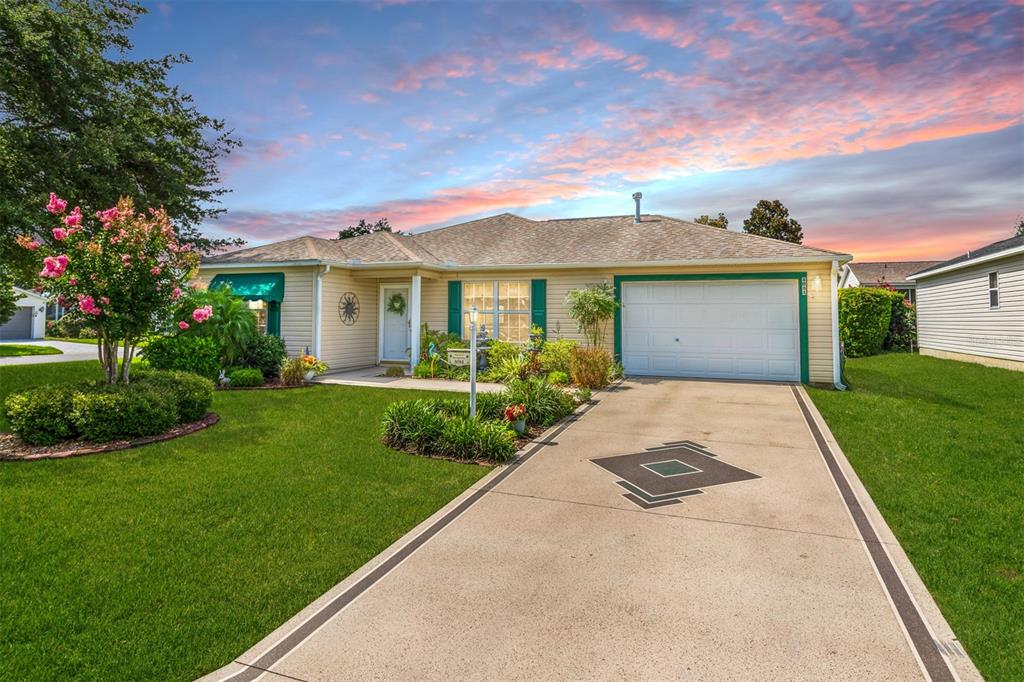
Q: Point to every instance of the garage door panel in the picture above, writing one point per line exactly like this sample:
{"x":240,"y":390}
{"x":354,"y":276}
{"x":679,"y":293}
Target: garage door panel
{"x":721,"y":329}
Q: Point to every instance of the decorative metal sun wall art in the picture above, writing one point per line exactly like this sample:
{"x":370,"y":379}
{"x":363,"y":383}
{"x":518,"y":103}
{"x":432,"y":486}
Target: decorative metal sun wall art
{"x":348,"y":308}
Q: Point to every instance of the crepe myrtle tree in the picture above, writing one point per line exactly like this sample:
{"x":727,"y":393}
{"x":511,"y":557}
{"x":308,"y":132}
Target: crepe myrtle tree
{"x":124,"y":269}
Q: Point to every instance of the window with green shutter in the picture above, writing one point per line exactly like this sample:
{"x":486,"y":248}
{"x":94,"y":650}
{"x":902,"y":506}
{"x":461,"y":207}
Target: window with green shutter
{"x":539,"y":303}
{"x":455,"y":307}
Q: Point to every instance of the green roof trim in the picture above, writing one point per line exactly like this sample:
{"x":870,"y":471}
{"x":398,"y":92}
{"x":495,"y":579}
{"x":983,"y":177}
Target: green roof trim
{"x":257,"y":286}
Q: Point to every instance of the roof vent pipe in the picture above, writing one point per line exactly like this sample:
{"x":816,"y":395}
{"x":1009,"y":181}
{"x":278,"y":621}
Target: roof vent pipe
{"x":637,"y":196}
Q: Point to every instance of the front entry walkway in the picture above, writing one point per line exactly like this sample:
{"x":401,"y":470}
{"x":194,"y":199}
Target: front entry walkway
{"x":725,"y":552}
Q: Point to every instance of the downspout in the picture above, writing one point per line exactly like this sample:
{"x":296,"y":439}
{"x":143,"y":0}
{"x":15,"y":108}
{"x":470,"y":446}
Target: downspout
{"x":318,"y":300}
{"x":837,"y":360}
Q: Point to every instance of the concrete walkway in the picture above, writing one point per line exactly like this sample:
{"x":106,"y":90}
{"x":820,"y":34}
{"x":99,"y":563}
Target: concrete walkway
{"x":71,"y":352}
{"x":374,"y":376}
{"x":732,"y":556}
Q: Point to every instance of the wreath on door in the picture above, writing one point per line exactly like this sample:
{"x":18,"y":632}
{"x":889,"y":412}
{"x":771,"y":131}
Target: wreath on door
{"x":396,"y":304}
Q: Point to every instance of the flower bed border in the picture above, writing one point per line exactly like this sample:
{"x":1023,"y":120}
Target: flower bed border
{"x":79,"y":448}
{"x":265,"y":387}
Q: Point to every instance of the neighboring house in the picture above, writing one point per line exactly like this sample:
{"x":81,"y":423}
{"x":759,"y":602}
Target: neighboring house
{"x":699,"y":301}
{"x":972,"y":307}
{"x":29,"y":322}
{"x":877,"y":274}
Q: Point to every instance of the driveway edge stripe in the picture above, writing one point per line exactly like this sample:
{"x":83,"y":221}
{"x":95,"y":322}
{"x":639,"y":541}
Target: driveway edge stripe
{"x":932,"y":661}
{"x":315,"y":621}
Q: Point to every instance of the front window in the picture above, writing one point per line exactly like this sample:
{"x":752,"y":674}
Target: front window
{"x":993,"y":290}
{"x":259,"y":308}
{"x":504,"y":308}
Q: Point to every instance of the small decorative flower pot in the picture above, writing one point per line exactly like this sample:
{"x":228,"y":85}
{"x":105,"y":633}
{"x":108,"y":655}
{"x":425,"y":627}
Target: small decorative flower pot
{"x":519,"y":426}
{"x":309,"y":375}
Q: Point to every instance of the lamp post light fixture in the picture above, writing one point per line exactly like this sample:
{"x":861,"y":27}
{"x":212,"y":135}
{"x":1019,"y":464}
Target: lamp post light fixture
{"x":473,"y":313}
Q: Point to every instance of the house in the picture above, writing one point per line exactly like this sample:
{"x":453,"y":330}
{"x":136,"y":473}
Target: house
{"x":880,"y":274}
{"x":698,"y":301}
{"x":29,"y":321}
{"x":971,"y":307}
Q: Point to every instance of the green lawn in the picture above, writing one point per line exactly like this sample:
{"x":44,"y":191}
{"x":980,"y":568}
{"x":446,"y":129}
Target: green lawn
{"x":167,"y":561}
{"x":17,"y":350}
{"x":91,"y":342}
{"x":940,"y":447}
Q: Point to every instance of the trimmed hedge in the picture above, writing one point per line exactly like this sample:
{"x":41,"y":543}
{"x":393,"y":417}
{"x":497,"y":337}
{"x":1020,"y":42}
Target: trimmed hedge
{"x":243,"y":377}
{"x":864,"y":316}
{"x":150,"y":405}
{"x":264,"y":352}
{"x":197,"y":354}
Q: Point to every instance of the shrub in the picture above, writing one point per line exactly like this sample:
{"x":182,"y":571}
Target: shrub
{"x":545,"y":404}
{"x":490,"y":406}
{"x":902,"y":334}
{"x":616,"y":372}
{"x":264,"y":352}
{"x":582,"y":395}
{"x":472,"y":439}
{"x":122,"y":411}
{"x":864,"y":316}
{"x":292,"y":372}
{"x":454,"y":373}
{"x":413,"y":424}
{"x":241,"y":377}
{"x":590,"y":366}
{"x":592,"y":308}
{"x":192,"y":393}
{"x":500,"y":351}
{"x":554,"y":355}
{"x":42,"y":416}
{"x":195,"y":354}
{"x":424,"y":370}
{"x":72,"y":326}
{"x":513,"y":367}
{"x":231,"y":325}
{"x":558,"y":378}
{"x":394,"y":371}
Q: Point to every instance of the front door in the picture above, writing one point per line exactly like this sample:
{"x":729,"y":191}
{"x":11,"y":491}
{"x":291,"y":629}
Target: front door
{"x":396,"y":335}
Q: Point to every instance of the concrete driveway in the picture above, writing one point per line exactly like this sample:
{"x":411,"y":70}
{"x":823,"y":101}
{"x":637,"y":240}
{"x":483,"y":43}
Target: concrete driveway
{"x":70,"y":352}
{"x":730,"y":553}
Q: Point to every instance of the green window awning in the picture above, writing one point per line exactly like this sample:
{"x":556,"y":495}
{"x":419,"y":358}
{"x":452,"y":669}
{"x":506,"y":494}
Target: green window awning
{"x":262,"y":286}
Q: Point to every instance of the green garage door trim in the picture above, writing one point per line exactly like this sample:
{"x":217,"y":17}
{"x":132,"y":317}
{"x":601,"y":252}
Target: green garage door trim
{"x":539,"y":304}
{"x":801,"y":278}
{"x":261,"y":286}
{"x":455,"y":307}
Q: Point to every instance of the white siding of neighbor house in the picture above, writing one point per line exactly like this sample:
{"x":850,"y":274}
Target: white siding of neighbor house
{"x":560,"y":282}
{"x":349,"y":346}
{"x":296,"y":308}
{"x":953,"y":313}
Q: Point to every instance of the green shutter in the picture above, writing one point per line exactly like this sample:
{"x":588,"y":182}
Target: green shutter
{"x":539,"y":303}
{"x":274,"y":318}
{"x":455,"y":307}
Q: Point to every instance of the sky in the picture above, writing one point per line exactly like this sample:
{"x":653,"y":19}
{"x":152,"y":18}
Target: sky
{"x":891,"y":130}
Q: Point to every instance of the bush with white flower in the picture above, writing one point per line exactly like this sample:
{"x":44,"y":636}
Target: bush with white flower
{"x":125,"y":270}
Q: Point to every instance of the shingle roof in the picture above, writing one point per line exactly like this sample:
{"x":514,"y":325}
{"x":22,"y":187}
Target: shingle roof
{"x":893,"y":272}
{"x":988,"y":250}
{"x":508,"y":239}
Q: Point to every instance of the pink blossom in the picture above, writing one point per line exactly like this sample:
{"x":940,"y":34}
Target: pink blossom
{"x":59,"y":233}
{"x":175,"y":294}
{"x":75,"y":218}
{"x":126,"y":258}
{"x":155,"y":270}
{"x":72,"y":281}
{"x":202,"y":314}
{"x":183,"y":325}
{"x":108,"y":216}
{"x":106,"y":301}
{"x":32,"y":245}
{"x":88,"y":305}
{"x":54,"y":267}
{"x":56,"y":205}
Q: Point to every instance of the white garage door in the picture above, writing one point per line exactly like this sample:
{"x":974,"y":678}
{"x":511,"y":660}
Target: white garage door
{"x":746,"y":329}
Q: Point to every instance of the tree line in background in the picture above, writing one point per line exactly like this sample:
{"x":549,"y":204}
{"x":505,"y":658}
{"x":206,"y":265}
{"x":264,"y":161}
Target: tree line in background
{"x":80,"y":118}
{"x":767,"y":219}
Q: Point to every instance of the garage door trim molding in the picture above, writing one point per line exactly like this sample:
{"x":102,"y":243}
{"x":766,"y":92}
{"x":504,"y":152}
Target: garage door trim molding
{"x":801,"y":278}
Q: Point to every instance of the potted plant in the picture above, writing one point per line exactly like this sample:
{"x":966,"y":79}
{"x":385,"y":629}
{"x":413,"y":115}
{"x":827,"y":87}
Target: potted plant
{"x":312,"y":366}
{"x":515,"y":415}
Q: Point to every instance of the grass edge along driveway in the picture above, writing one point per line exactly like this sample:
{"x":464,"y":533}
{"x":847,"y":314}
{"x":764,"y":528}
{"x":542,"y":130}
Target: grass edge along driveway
{"x":18,"y":350}
{"x":938,"y":444}
{"x":167,"y":561}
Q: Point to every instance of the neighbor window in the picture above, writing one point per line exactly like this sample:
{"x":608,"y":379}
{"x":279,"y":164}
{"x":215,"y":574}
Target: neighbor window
{"x":993,"y":290}
{"x":504,"y":308}
{"x":259,"y":308}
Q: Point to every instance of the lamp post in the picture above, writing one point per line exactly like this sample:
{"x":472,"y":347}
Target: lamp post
{"x":473,"y":312}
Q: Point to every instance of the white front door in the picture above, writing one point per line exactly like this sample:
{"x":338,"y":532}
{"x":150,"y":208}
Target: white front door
{"x":747,"y":329}
{"x":396,"y":334}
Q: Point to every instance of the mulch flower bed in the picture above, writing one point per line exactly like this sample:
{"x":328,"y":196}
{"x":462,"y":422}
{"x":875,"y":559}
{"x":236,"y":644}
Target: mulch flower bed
{"x":12,"y":449}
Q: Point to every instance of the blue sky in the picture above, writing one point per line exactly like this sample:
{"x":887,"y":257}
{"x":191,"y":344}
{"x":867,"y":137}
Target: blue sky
{"x":891,"y":130}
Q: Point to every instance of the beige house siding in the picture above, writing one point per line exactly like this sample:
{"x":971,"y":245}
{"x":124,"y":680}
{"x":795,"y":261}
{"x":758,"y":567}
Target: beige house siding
{"x":349,"y":346}
{"x":953,"y":313}
{"x":560,"y":282}
{"x":296,"y":308}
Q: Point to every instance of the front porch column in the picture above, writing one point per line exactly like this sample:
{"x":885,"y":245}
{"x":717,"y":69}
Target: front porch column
{"x":414,"y":320}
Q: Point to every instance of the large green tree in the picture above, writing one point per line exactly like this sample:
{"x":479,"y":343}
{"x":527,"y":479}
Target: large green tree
{"x":364,"y":227}
{"x":1019,"y":229}
{"x":719,"y":221}
{"x":771,"y":219}
{"x":79,"y":117}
